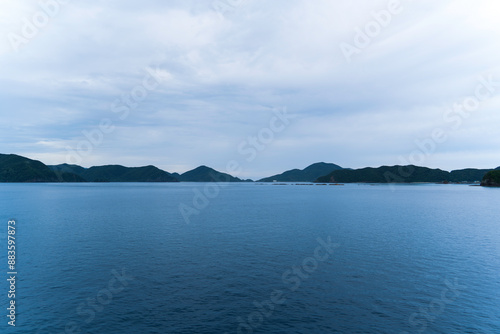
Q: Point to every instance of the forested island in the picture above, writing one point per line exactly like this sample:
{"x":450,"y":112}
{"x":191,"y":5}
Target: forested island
{"x":15,"y":168}
{"x":491,"y":179}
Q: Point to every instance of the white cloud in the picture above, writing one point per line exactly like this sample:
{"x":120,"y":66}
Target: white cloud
{"x":222,"y":73}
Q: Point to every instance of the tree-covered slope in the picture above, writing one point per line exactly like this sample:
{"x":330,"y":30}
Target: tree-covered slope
{"x":66,"y":168}
{"x":206,"y":174}
{"x":468,"y":175}
{"x":118,"y":173}
{"x":386,"y":174}
{"x":15,"y":168}
{"x":491,"y":179}
{"x":308,"y":174}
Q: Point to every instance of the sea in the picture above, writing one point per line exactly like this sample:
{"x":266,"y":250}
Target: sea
{"x":228,"y":258}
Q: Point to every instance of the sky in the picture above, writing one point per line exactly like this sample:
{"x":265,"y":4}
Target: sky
{"x":264,"y":85}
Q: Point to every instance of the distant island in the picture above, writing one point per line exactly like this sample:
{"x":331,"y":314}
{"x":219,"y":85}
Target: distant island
{"x":403,"y":174}
{"x":492,"y":179}
{"x":206,"y":174}
{"x":308,"y":174}
{"x":115,"y":173}
{"x":16,"y":168}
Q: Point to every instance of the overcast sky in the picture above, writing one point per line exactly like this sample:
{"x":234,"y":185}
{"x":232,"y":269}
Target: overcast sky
{"x":178,"y":84}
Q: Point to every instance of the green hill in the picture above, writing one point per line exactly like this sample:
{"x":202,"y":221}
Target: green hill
{"x":308,"y":174}
{"x":206,"y":174}
{"x":117,"y":173}
{"x":491,"y":179}
{"x":65,"y":168}
{"x":15,"y":168}
{"x":468,"y":175}
{"x":386,"y":174}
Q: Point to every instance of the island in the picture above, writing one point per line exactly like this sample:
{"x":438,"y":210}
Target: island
{"x":491,"y":179}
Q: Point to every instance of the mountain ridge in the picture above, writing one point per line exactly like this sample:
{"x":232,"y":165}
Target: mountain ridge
{"x":16,"y":168}
{"x":491,"y":179}
{"x":206,"y":174}
{"x":118,"y":173}
{"x":403,"y":174}
{"x":308,"y":174}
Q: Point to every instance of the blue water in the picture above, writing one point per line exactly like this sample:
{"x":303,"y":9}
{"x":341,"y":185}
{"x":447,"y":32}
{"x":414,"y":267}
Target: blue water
{"x":402,"y":259}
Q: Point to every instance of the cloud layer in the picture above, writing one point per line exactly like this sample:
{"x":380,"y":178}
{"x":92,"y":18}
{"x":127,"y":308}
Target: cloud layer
{"x":224,"y":67}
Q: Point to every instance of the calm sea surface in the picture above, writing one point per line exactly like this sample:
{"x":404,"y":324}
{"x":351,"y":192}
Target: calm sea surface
{"x":120,"y":258}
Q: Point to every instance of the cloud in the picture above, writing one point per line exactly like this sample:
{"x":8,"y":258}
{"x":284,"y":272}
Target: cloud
{"x":224,"y":72}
